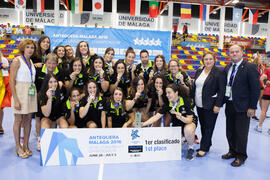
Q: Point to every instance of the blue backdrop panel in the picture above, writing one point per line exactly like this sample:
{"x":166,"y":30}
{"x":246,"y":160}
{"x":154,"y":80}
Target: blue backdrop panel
{"x":156,"y":42}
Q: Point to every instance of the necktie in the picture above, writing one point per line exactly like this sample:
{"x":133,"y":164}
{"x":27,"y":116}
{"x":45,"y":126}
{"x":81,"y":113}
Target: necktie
{"x":232,"y":75}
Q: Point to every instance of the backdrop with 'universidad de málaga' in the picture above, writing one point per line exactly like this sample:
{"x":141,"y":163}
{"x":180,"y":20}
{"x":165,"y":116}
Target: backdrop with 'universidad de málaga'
{"x":156,"y":42}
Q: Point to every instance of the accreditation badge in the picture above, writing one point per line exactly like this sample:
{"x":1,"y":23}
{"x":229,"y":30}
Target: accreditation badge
{"x":32,"y":90}
{"x":228,"y":91}
{"x":138,"y":120}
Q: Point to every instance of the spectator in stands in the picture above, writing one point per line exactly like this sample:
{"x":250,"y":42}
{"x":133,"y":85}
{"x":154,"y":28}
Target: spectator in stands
{"x":208,"y":92}
{"x":145,"y":67}
{"x":179,"y":108}
{"x":24,"y":96}
{"x":83,"y":52}
{"x":92,"y":107}
{"x":62,"y":60}
{"x":108,"y":58}
{"x":51,"y":100}
{"x":27,"y":30}
{"x":43,"y":48}
{"x":8,"y":30}
{"x":117,"y":114}
{"x":19,"y":30}
{"x":2,"y":31}
{"x":185,"y":32}
{"x":4,"y":65}
{"x":32,"y":27}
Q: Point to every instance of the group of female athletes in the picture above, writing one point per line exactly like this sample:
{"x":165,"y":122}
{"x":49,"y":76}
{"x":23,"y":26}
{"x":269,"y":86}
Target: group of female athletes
{"x":86,"y":90}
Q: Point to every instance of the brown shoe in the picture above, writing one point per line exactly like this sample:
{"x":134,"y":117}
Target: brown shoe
{"x":237,"y":162}
{"x":227,"y":156}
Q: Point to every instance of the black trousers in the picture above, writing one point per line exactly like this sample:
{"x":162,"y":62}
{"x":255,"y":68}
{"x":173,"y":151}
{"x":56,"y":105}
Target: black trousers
{"x":237,"y":127}
{"x":207,"y":120}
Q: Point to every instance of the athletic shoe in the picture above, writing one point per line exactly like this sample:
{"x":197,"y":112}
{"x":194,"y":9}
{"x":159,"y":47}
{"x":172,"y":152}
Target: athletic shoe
{"x":190,"y":154}
{"x":258,"y":129}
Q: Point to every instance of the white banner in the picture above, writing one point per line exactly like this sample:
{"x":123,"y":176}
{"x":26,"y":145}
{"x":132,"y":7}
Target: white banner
{"x":136,"y":22}
{"x":212,"y":27}
{"x":114,"y":145}
{"x":45,"y":18}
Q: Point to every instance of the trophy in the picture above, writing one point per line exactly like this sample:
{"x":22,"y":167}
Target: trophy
{"x":138,"y":120}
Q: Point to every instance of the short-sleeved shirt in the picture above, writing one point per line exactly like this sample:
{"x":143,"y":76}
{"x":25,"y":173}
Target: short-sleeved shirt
{"x":57,"y":107}
{"x":267,"y":87}
{"x":124,"y":83}
{"x":146,"y":71}
{"x":183,"y":107}
{"x":173,"y":80}
{"x":80,"y":123}
{"x":95,"y":110}
{"x":42,"y":72}
{"x":118,"y":114}
{"x":155,"y":103}
{"x":141,"y":102}
{"x":79,"y":82}
{"x":96,"y":77}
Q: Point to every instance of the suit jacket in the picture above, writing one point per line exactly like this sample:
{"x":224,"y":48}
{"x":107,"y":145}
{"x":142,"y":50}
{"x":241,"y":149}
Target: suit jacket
{"x":213,"y":88}
{"x":246,"y":86}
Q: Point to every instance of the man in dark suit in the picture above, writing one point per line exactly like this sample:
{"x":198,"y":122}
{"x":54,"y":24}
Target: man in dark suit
{"x":242,"y":94}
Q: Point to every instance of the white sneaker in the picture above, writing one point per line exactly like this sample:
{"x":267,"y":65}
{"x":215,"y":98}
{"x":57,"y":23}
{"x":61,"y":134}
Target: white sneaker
{"x":258,"y":128}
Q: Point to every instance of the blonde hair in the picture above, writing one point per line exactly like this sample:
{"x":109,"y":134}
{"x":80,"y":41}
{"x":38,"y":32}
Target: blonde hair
{"x":52,"y":56}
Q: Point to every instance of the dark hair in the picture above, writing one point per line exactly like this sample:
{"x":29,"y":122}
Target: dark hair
{"x":44,"y":88}
{"x":91,"y":69}
{"x":56,"y":48}
{"x":78,"y":53}
{"x":39,"y":52}
{"x":181,"y":91}
{"x":123,"y":98}
{"x":164,"y":68}
{"x":144,"y":51}
{"x":73,"y":89}
{"x":164,"y":80}
{"x":211,"y":53}
{"x":73,"y":61}
{"x":108,"y":50}
{"x":92,"y":81}
{"x":115,"y":69}
{"x":130,"y":50}
{"x":134,"y":85}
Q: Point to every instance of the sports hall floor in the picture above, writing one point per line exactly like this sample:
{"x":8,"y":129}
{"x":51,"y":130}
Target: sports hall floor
{"x":257,"y":166}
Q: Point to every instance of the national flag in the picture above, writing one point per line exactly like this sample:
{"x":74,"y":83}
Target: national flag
{"x":153,"y":9}
{"x":185,"y":11}
{"x":135,"y":7}
{"x":237,"y":15}
{"x":253,"y":16}
{"x":38,"y":5}
{"x":98,"y":7}
{"x":77,"y":6}
{"x":204,"y":12}
{"x":20,"y":4}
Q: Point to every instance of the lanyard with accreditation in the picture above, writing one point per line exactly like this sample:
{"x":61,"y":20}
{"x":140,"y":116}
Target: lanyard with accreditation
{"x":32,"y":88}
{"x":229,"y":86}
